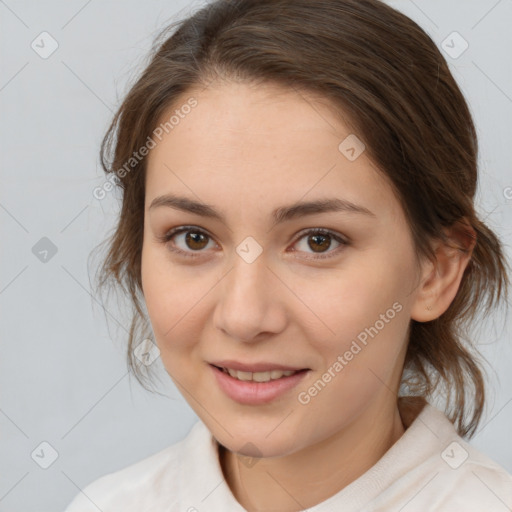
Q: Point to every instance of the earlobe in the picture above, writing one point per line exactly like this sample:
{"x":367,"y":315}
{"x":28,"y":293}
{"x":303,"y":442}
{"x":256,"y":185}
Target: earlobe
{"x":441,"y":279}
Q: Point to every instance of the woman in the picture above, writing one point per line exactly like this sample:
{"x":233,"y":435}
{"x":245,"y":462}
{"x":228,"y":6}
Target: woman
{"x":298,"y":220}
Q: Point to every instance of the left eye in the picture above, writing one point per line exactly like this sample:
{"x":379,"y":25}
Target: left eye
{"x":322,"y":239}
{"x":319,"y":240}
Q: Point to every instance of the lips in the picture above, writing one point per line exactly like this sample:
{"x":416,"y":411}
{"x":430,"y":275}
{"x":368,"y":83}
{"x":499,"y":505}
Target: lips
{"x":255,"y":367}
{"x":256,"y":388}
{"x":256,"y":393}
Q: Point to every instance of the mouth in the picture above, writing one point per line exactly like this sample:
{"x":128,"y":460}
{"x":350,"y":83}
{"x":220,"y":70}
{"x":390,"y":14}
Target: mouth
{"x":258,"y":387}
{"x":265,"y":376}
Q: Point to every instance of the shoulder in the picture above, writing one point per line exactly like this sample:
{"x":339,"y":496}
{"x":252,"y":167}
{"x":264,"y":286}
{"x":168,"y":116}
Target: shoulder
{"x":143,"y":484}
{"x":454,"y":475}
{"x":468,"y":478}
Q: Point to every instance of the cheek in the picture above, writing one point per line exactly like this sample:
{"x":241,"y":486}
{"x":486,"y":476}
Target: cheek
{"x":175,"y":300}
{"x":362,"y":315}
{"x":165,"y":295}
{"x":368,"y":317}
{"x":347,"y":301}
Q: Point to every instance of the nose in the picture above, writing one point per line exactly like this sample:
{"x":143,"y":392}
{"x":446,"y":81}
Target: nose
{"x":250,"y":301}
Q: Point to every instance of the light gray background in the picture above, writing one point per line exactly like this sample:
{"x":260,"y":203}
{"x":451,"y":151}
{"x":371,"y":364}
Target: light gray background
{"x":63,"y":376}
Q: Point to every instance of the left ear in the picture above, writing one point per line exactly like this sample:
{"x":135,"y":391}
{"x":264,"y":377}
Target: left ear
{"x":441,"y":278}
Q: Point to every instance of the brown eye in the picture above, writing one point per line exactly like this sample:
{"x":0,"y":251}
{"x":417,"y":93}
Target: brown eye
{"x":320,"y":241}
{"x":195,"y":240}
{"x":190,"y":242}
{"x":187,"y":240}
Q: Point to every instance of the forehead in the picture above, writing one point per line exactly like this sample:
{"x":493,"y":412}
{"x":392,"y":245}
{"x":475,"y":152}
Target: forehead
{"x":265,"y":143}
{"x":254,"y":113}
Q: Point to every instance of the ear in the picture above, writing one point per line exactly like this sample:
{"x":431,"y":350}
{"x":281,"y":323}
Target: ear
{"x":441,"y":278}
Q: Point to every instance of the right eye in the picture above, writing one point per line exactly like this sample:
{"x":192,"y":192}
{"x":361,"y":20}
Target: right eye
{"x":190,"y":237}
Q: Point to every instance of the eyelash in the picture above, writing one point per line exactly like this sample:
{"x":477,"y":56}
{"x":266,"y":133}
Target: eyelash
{"x":195,"y":254}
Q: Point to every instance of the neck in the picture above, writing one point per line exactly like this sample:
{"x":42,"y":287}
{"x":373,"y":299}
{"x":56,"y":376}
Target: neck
{"x":309,"y":476}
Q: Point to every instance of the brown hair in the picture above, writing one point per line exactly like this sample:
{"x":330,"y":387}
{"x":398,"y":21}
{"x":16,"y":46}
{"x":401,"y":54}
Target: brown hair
{"x":385,"y":75}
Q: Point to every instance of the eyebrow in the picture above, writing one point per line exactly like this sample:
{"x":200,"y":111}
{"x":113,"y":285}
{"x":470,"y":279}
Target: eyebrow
{"x":279,"y":215}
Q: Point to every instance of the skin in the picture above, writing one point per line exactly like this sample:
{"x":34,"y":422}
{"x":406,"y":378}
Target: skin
{"x":247,"y":150}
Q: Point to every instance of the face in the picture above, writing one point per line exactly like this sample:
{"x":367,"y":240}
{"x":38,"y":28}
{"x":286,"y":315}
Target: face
{"x":255,"y":288}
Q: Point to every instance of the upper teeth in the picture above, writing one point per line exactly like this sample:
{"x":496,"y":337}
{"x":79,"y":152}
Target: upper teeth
{"x":259,"y":376}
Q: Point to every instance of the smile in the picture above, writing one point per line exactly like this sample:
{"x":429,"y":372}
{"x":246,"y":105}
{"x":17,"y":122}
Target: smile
{"x":258,"y":376}
{"x":256,"y":388}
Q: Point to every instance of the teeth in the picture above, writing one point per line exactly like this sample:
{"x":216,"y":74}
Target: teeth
{"x":258,"y":376}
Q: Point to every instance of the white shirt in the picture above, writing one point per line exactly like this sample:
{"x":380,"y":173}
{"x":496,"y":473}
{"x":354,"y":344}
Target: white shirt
{"x":429,"y":468}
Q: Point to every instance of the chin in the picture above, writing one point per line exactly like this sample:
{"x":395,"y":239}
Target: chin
{"x":252,"y":441}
